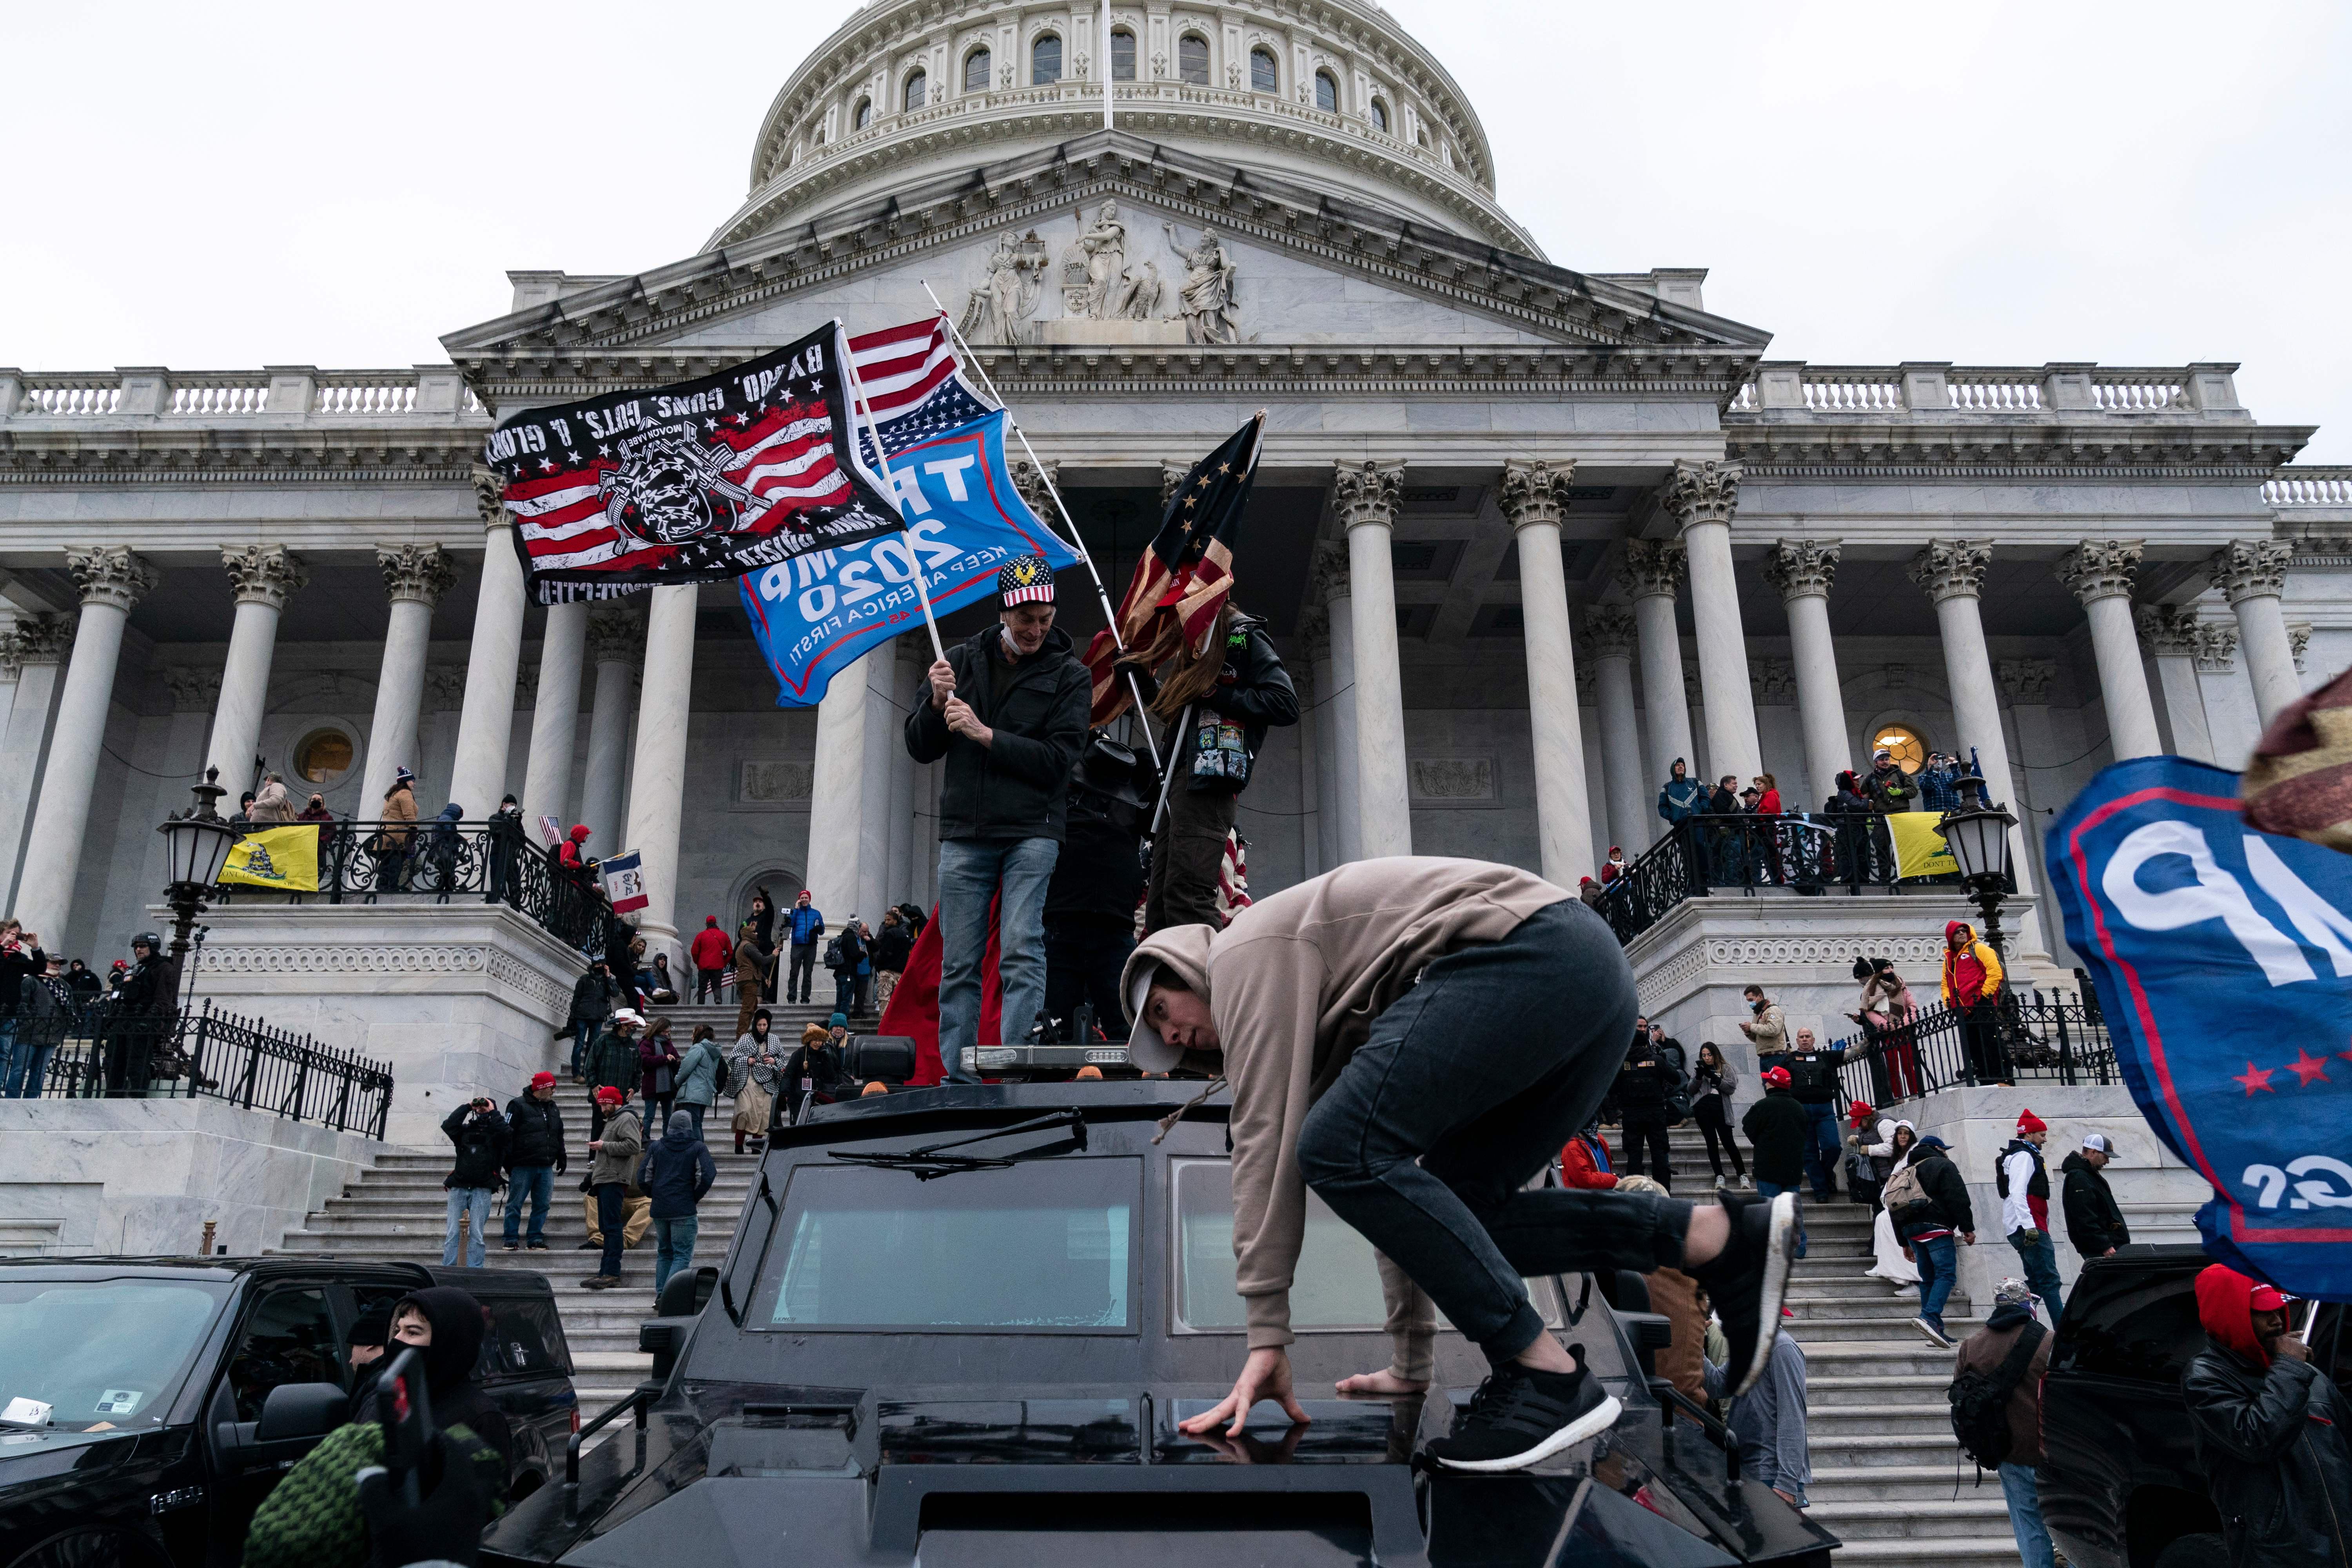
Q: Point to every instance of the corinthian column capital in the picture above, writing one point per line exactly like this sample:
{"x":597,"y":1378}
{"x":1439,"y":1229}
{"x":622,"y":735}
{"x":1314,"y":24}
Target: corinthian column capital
{"x":1367,"y":492}
{"x":1952,"y":568}
{"x":1535,"y":491}
{"x":1654,"y":567}
{"x":419,"y":571}
{"x":1612,"y":629}
{"x":2101,"y":568}
{"x":613,"y":638}
{"x":2250,"y":568}
{"x":1328,"y":578}
{"x":489,"y":495}
{"x":264,"y":573}
{"x":2169,"y":630}
{"x":42,"y":640}
{"x":110,"y":575}
{"x":1702,"y":492}
{"x":1803,"y":568}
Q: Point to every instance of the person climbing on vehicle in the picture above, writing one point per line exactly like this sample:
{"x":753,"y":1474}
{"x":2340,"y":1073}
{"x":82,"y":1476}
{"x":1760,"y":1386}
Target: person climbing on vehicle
{"x":1393,"y":1037}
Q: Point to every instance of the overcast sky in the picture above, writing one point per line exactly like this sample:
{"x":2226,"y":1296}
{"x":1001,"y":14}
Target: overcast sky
{"x":222,"y":186}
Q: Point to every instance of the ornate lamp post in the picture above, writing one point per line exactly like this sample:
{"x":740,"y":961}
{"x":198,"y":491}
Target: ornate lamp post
{"x":1979,"y":840}
{"x":198,"y":841}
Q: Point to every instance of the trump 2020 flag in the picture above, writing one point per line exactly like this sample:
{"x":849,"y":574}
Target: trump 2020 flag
{"x":691,"y":483}
{"x":2223,"y":961}
{"x":624,"y":877}
{"x":814,"y":615}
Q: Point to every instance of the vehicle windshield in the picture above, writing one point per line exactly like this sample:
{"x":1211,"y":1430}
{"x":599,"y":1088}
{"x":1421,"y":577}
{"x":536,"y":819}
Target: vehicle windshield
{"x":1039,"y":1246}
{"x":103,"y":1354}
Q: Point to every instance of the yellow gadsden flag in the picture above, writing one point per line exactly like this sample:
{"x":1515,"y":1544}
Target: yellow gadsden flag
{"x":286,"y":859}
{"x":1919,"y":850}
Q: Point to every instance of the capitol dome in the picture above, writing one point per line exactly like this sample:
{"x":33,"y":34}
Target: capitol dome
{"x":1328,"y":98}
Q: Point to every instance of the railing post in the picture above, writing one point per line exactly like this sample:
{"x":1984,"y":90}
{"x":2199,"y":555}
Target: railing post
{"x":2065,"y":1044}
{"x":196,"y":1055}
{"x":252,"y":1067}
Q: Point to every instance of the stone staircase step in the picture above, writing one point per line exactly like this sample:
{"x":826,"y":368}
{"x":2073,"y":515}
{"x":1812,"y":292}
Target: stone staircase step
{"x":1856,"y":1521}
{"x":1940,"y":1550}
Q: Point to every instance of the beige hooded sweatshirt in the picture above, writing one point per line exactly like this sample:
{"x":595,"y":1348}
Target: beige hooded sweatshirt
{"x":1293,"y":985}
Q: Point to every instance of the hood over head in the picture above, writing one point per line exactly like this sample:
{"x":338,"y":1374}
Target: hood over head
{"x":1185,"y":950}
{"x":681,"y":1132}
{"x":1962,"y":927}
{"x":2226,"y":1303}
{"x":579,"y":833}
{"x":460,"y":1323}
{"x":452,"y":812}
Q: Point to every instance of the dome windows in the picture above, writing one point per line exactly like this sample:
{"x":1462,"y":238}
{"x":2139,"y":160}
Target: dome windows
{"x":863,"y":117}
{"x":1266,"y":76}
{"x":977,"y":66}
{"x":1380,"y":117}
{"x":1046,"y":61}
{"x":1192,"y":60}
{"x":1122,"y":55}
{"x":1326,"y":92}
{"x":918,"y":82}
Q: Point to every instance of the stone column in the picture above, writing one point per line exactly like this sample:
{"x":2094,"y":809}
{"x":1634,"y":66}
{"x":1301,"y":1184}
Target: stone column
{"x":485,"y":724}
{"x":38,"y":646}
{"x":1651,"y":574}
{"x":613,"y":639}
{"x":2169,"y":634}
{"x":1366,"y":495}
{"x":1532,"y":497}
{"x":112,"y":580}
{"x":905,"y":880}
{"x":1315,"y":637}
{"x":882,"y":736}
{"x":1701,"y":497}
{"x":1631,"y":816}
{"x":415,"y":578}
{"x":1803,"y":570}
{"x":264,"y":576}
{"x":2099,"y":572}
{"x":554,"y":716}
{"x":1337,"y":676}
{"x":2251,"y":574}
{"x":657,"y":804}
{"x":837,"y":794}
{"x":1952,"y":572}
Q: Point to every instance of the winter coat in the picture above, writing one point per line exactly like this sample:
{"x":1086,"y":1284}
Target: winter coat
{"x":1890,"y":790}
{"x":1984,"y":1351}
{"x":745,"y":1070}
{"x":821,"y":1063}
{"x":1971,"y":971}
{"x":270,"y":807}
{"x":145,"y":988}
{"x":892,"y":944}
{"x":1253,"y":690}
{"x":2270,"y":1437}
{"x":677,"y":1170}
{"x":1768,"y":803}
{"x":710,"y":949}
{"x":1946,"y":1189}
{"x":535,"y":1133}
{"x":1885,"y":996}
{"x":18,"y":964}
{"x":698,"y":1073}
{"x":593,"y":996}
{"x":1770,"y":1029}
{"x":1816,"y":1071}
{"x":612,"y":1063}
{"x":2094,"y":1221}
{"x":1018,"y":785}
{"x":1680,"y":798}
{"x":1642,"y":1084}
{"x":1777,"y":1129}
{"x":573,"y":854}
{"x":653,"y":1053}
{"x":850,"y":950}
{"x":399,"y":806}
{"x":1708,"y":1082}
{"x":1584,"y":1163}
{"x":481,"y":1142}
{"x":807,"y":924}
{"x":1097,"y":877}
{"x":750,"y":963}
{"x":624,"y":1141}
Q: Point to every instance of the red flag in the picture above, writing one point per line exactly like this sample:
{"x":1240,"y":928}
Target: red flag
{"x":914,"y":1010}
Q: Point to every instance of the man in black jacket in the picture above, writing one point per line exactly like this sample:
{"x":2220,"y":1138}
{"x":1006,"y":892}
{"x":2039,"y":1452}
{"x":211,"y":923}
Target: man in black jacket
{"x":1008,"y":710}
{"x":2269,"y":1431}
{"x":1642,"y":1084}
{"x":1097,"y":883}
{"x":535,"y":1157}
{"x":1812,"y":1078}
{"x":2094,"y":1221}
{"x":593,"y":996}
{"x":141,"y":1012}
{"x":480,"y":1134}
{"x":1926,"y":1226}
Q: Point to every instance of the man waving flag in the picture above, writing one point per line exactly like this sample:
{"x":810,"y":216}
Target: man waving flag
{"x":1184,"y":579}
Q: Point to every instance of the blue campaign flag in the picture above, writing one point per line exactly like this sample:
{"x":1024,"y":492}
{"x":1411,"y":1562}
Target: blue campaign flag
{"x":2223,"y":962}
{"x":815,"y":616}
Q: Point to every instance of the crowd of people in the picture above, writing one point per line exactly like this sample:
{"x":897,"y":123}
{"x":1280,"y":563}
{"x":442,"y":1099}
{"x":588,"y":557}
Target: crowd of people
{"x":47,"y":999}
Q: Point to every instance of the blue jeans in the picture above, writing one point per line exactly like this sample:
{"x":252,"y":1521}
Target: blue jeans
{"x":475,"y":1201}
{"x":25,"y":1075}
{"x":2024,"y":1499}
{"x":1939,"y":1270}
{"x":970,"y":872}
{"x":672,"y":1248}
{"x":536,"y":1182}
{"x":845,"y":992}
{"x":2041,"y":1261}
{"x":1466,"y":1087}
{"x":696,"y":1111}
{"x":1823,"y":1150}
{"x":1765,"y":1189}
{"x":582,"y":1034}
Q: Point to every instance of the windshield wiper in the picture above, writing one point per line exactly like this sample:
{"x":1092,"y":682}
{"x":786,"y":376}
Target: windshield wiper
{"x":932,"y":1160}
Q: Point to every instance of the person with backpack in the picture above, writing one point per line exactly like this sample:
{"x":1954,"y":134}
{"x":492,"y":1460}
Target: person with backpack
{"x":842,"y":955}
{"x":2094,"y":1221}
{"x":701,"y":1074}
{"x":1642,"y":1083}
{"x":1929,"y":1204}
{"x":2023,"y":1183}
{"x":1996,"y":1399}
{"x":675,"y":1172}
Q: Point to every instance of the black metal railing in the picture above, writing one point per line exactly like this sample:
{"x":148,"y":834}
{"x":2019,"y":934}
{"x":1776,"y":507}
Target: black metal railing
{"x":487,"y":862}
{"x":2036,"y":1037}
{"x":1809,"y":853}
{"x":100,"y":1051}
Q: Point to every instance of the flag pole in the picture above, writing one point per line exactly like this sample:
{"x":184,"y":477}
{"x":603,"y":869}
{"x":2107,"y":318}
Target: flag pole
{"x":882,"y":460}
{"x":1078,"y":540}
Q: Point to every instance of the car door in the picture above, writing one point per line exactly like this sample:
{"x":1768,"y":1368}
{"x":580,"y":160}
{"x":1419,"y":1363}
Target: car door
{"x":287,"y":1335}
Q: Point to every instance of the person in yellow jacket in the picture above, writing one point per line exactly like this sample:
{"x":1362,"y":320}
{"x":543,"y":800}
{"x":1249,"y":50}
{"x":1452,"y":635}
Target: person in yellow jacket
{"x":1972,"y":989}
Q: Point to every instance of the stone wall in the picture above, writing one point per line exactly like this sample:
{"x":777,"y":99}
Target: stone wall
{"x":139,"y":1177}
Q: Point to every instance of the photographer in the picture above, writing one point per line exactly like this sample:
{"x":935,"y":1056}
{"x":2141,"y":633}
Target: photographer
{"x":481,"y":1135}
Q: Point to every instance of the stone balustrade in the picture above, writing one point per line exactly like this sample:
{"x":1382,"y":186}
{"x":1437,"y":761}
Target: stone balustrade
{"x":210,"y":395}
{"x":2309,"y":486}
{"x":2070,"y":389}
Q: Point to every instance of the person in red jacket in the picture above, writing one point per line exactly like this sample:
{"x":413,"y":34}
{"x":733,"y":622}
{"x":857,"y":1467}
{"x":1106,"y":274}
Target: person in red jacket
{"x":1584,"y":1161}
{"x":713,"y":955}
{"x":574,"y":852}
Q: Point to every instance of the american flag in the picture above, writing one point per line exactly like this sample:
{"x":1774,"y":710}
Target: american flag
{"x":913,"y":385}
{"x":695,"y":483}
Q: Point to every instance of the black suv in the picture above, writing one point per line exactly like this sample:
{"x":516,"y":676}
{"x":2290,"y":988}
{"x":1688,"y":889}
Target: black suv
{"x":982,"y":1351}
{"x":2120,"y":1487}
{"x":181,"y":1390}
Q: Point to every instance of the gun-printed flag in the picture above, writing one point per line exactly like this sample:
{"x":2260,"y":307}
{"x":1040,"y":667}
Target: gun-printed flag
{"x":699,"y":481}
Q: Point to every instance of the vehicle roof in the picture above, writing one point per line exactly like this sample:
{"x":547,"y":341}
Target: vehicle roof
{"x":216,"y":1268}
{"x":902,"y":1111}
{"x":493,"y":1284}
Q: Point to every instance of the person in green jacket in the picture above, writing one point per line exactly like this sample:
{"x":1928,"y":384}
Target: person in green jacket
{"x":699,"y":1073}
{"x":612,"y":1063}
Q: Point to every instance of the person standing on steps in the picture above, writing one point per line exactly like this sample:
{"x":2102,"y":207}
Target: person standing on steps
{"x":676,"y":1174}
{"x":758,"y":1071}
{"x":1889,"y":1261}
{"x":535,"y":1157}
{"x":480,"y":1135}
{"x":2024,"y":1186}
{"x":593,"y":996}
{"x":657,"y":1072}
{"x":612,"y":1064}
{"x":699,"y":1074}
{"x":1972,"y":987}
{"x":1769,"y":1031}
{"x":1769,"y":1421}
{"x":843,"y":955}
{"x":1642,"y":1081}
{"x":892,"y":944}
{"x":1987,"y":1354}
{"x":806,"y":924}
{"x":1775,"y":1126}
{"x":1710,"y":1100}
{"x":749,"y":963}
{"x":1929,"y":1208}
{"x":1394,"y":1039}
{"x":617,"y":1150}
{"x":712,"y":954}
{"x":2094,"y":1221}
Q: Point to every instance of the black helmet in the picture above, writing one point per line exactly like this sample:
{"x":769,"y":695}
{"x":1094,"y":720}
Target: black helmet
{"x":148,"y":940}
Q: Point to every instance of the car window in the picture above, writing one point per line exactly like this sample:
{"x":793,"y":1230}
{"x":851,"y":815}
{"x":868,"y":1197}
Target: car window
{"x":526,"y":1340}
{"x":288,"y":1337}
{"x":2141,"y":1327}
{"x":102,"y":1354}
{"x":1042,"y":1245}
{"x":1337,"y":1285}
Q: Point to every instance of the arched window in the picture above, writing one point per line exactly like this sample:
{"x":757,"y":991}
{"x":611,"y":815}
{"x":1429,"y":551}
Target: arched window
{"x":916,"y":81}
{"x":1046,"y":61}
{"x":1122,"y":55}
{"x":1326,"y":92}
{"x":1193,"y":59}
{"x":1265,"y":74}
{"x":864,"y":115}
{"x":1904,"y":741}
{"x":1380,"y":116}
{"x":976,"y":67}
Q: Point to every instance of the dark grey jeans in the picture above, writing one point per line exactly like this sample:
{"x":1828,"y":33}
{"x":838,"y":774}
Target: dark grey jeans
{"x":1464,"y":1093}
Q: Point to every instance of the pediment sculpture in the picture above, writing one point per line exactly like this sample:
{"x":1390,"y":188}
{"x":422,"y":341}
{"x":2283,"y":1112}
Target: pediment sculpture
{"x":997,"y":310}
